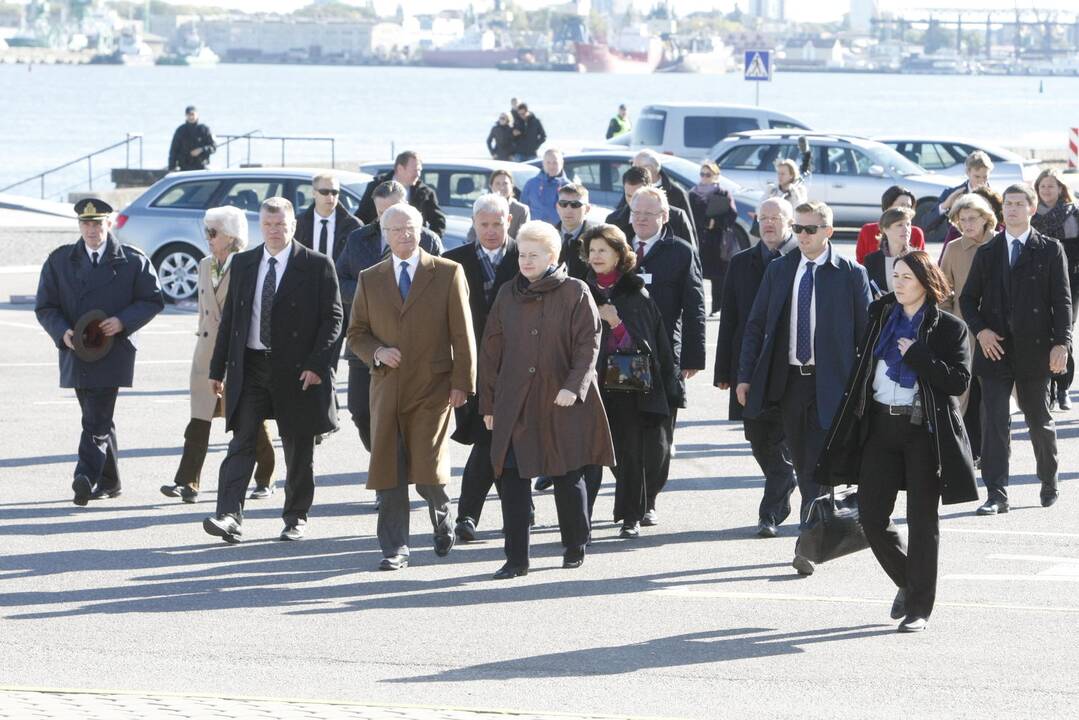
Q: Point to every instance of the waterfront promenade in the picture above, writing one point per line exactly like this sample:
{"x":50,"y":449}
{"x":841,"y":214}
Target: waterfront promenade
{"x":128,"y":598}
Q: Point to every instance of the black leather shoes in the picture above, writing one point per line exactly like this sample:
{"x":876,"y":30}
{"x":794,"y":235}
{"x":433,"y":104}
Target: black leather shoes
{"x":395,"y":562}
{"x":465,"y":530}
{"x":766,"y":529}
{"x":183,"y":492}
{"x":106,"y":493}
{"x":443,"y":543}
{"x":899,"y":605}
{"x":802,"y":565}
{"x":630,"y":530}
{"x":223,"y":526}
{"x":912,"y":624}
{"x":83,"y":490}
{"x":294,"y":531}
{"x":1063,"y":399}
{"x":573,"y":559}
{"x":993,"y":507}
{"x":543,"y":483}
{"x":508,"y":572}
{"x":1049,"y":495}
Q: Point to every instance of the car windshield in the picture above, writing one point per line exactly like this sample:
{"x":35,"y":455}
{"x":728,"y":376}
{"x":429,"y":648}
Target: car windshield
{"x":890,"y":159}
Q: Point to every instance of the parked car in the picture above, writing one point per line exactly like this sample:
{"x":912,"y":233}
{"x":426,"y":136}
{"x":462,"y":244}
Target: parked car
{"x":849,"y":173}
{"x":690,"y":130}
{"x":601,"y":172}
{"x":165,"y":222}
{"x":947,"y":155}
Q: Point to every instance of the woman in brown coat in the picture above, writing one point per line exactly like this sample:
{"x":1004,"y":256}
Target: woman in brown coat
{"x":226,"y":234}
{"x":539,"y":396}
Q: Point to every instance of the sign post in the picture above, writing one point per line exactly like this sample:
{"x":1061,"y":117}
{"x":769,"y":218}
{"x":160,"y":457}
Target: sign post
{"x":758,"y":69}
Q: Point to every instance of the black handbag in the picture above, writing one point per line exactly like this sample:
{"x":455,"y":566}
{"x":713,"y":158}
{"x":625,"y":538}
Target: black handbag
{"x":835,"y":530}
{"x":628,"y":371}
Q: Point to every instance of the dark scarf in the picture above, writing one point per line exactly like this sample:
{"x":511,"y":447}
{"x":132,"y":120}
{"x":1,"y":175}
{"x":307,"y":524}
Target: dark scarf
{"x":489,"y":268}
{"x":523,"y":283}
{"x":898,"y":326}
{"x":1051,"y":223}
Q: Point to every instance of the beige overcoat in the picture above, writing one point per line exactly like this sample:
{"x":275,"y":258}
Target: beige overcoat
{"x":433,"y":331}
{"x":204,"y":404}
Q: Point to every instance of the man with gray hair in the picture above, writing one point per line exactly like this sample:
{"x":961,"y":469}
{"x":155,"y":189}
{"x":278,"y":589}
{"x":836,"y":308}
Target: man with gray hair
{"x":540,"y":193}
{"x":278,"y":341}
{"x":651,"y":162}
{"x":488,"y":263}
{"x":764,"y":432}
{"x":410,"y":323}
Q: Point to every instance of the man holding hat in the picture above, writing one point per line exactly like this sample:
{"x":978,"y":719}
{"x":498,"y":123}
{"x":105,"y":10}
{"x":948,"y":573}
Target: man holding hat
{"x":192,"y":144}
{"x":92,"y":297}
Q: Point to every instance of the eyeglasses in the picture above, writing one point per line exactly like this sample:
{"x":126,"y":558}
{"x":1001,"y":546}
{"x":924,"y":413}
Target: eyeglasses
{"x":807,"y":229}
{"x":328,"y":191}
{"x":211,"y":233}
{"x":570,"y":204}
{"x":644,"y":215}
{"x":406,"y":230}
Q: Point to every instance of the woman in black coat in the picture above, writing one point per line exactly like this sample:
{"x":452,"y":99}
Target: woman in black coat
{"x":500,"y":139}
{"x":714,"y":213}
{"x":899,"y":428}
{"x":896,"y":226}
{"x":631,"y":324}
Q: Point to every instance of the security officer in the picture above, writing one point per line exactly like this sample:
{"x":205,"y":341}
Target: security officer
{"x":92,"y":297}
{"x":192,"y":143}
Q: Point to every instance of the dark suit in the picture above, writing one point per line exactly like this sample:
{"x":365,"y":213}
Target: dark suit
{"x":305,"y":325}
{"x":478,"y":475}
{"x":679,"y":222}
{"x":420,"y":196}
{"x":764,"y":432}
{"x":123,"y":285}
{"x":1029,"y":305}
{"x":571,"y":251}
{"x":363,"y":249}
{"x":807,"y":402}
{"x":876,"y":270}
{"x":344,"y":223}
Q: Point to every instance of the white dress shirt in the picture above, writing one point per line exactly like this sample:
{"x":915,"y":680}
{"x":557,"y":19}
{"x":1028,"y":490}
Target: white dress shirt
{"x":888,"y":391}
{"x":331,"y":223}
{"x":792,"y":350}
{"x":100,"y":252}
{"x":254,"y":341}
{"x":495,"y":256}
{"x":1011,"y":240}
{"x":413,"y":262}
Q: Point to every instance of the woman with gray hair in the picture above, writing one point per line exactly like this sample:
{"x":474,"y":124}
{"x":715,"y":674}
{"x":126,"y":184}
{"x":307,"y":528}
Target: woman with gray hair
{"x":226,"y":234}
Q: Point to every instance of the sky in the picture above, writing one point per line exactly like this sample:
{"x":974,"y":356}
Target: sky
{"x":798,"y":10}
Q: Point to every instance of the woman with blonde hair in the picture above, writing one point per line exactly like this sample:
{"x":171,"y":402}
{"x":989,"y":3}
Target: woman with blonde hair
{"x":789,"y":183}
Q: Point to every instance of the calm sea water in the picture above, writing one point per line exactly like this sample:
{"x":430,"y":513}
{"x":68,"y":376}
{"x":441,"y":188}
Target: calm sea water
{"x":52,"y":114}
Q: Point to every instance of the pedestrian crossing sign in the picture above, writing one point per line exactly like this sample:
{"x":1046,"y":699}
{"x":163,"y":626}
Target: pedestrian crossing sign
{"x":758,"y":65}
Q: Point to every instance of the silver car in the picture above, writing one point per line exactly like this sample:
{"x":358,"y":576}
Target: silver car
{"x":948,"y":155}
{"x":165,"y":222}
{"x":849,"y":173}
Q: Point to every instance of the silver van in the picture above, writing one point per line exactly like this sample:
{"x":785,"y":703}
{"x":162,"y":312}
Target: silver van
{"x":690,"y":130}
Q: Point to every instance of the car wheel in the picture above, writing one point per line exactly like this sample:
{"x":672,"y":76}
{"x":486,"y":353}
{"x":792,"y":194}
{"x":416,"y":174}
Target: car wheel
{"x":923,"y":217}
{"x":178,"y":270}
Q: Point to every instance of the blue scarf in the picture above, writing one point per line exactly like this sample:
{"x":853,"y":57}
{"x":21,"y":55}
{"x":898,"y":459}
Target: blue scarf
{"x":898,"y":326}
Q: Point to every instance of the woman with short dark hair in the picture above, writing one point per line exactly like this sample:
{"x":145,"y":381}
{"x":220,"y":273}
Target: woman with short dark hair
{"x":869,"y":238}
{"x":633,"y":336}
{"x":896,"y":230}
{"x":899,"y":429}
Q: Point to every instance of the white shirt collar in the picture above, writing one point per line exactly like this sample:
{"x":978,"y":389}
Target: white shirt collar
{"x":413,"y":260}
{"x":100,"y":250}
{"x":1021,"y":238}
{"x":820,"y":259}
{"x":282,"y":258}
{"x":493,"y":254}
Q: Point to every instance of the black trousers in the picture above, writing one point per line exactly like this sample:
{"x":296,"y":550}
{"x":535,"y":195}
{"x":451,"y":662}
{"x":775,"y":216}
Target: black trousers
{"x":997,"y":426}
{"x":769,"y":445}
{"x":972,"y":418}
{"x":642,"y":451}
{"x":476,"y":482}
{"x":898,"y":455}
{"x":805,"y":436}
{"x":666,"y":428}
{"x":571,"y":502}
{"x":196,"y":443}
{"x":254,"y":407}
{"x":97,"y":443}
{"x":359,"y":399}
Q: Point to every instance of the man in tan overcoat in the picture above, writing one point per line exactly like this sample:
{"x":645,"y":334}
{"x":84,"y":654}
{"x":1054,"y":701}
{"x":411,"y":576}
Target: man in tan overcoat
{"x":412,"y":325}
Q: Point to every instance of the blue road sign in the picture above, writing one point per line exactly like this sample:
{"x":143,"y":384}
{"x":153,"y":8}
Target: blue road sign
{"x":758,"y":65}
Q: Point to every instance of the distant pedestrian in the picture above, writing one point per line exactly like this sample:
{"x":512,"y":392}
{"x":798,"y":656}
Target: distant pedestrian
{"x":528,"y":134}
{"x":716,"y":214}
{"x":501,"y":183}
{"x":789,"y":184}
{"x":979,"y":168}
{"x":540,"y":193}
{"x":92,"y":298}
{"x":869,"y":235}
{"x":620,"y":124}
{"x":500,"y":139}
{"x":407,"y":170}
{"x":226,"y":235}
{"x":896,"y":226}
{"x":192,"y":144}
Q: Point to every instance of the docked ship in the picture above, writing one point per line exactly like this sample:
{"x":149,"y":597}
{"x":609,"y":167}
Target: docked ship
{"x":189,"y":50}
{"x":634,"y":51}
{"x":477,"y":49}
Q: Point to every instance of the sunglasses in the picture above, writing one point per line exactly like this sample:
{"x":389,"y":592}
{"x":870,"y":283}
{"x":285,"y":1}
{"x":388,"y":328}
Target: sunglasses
{"x":807,"y":229}
{"x":705,"y":173}
{"x":328,"y":191}
{"x":570,"y":204}
{"x":211,"y":233}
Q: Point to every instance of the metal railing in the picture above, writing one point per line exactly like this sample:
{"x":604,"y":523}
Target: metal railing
{"x":89,"y":160}
{"x":257,"y":136}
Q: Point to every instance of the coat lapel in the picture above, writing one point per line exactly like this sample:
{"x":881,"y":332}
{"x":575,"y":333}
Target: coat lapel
{"x":295,"y":272}
{"x":389,"y":285}
{"x":425,"y":273}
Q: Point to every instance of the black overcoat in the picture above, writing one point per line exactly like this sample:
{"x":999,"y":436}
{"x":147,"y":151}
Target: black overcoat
{"x":420,"y":196}
{"x":304,"y":329}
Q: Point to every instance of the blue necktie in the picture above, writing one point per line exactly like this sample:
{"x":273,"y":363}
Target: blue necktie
{"x":804,"y":349}
{"x":1017,"y":247}
{"x":405,"y":282}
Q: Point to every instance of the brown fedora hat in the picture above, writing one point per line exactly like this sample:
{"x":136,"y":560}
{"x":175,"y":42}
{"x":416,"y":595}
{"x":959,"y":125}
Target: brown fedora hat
{"x":91,"y":344}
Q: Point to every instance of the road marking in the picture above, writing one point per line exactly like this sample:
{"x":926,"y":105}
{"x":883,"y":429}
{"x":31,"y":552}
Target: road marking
{"x":1040,"y":577}
{"x":781,"y":597}
{"x":53,"y":364}
{"x":24,"y":326}
{"x":19,"y":269}
{"x":1035,"y":558}
{"x":1030,"y":533}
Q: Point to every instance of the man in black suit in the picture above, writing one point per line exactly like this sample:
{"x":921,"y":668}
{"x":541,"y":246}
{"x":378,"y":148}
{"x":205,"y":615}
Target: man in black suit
{"x":633,"y":180}
{"x":1017,"y":302}
{"x":407,"y":168}
{"x":804,"y":296}
{"x":277,"y":341}
{"x":671,"y":270}
{"x":764,"y":432}
{"x":573,"y":207}
{"x":488,"y":263}
{"x":652,"y":163}
{"x":326,"y":224}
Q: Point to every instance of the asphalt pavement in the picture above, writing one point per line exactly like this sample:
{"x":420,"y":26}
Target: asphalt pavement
{"x":126,"y":607}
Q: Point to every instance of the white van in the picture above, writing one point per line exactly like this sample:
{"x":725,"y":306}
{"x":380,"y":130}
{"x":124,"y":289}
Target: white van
{"x":691,"y":130}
